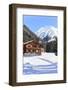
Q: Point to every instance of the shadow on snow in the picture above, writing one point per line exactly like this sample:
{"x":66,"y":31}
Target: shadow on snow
{"x":40,"y":69}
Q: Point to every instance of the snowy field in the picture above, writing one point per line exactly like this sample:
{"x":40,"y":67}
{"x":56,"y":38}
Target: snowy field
{"x":42,"y":64}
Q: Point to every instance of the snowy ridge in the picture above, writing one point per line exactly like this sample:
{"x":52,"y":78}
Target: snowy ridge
{"x":45,"y":31}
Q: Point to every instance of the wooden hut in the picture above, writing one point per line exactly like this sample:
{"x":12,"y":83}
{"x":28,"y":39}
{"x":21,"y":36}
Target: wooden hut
{"x":32,"y":47}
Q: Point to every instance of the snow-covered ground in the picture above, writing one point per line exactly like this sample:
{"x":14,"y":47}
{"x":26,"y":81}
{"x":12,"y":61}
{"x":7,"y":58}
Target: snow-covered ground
{"x":44,"y":63}
{"x":43,"y":59}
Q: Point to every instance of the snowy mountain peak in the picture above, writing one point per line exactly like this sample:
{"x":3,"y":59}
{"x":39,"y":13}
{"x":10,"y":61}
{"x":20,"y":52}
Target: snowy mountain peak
{"x":47,"y":32}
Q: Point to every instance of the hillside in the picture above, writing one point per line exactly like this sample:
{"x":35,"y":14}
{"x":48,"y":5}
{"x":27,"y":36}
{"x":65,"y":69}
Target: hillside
{"x":28,"y":34}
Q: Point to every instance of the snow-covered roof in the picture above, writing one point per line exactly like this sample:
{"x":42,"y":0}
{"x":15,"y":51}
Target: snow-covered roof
{"x":28,"y":42}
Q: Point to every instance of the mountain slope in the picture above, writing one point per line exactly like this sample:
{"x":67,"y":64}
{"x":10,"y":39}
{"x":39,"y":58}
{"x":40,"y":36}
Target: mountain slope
{"x":47,"y":33}
{"x":28,"y":34}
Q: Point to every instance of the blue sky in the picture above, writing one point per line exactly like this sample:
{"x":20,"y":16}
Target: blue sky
{"x":36,"y":22}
